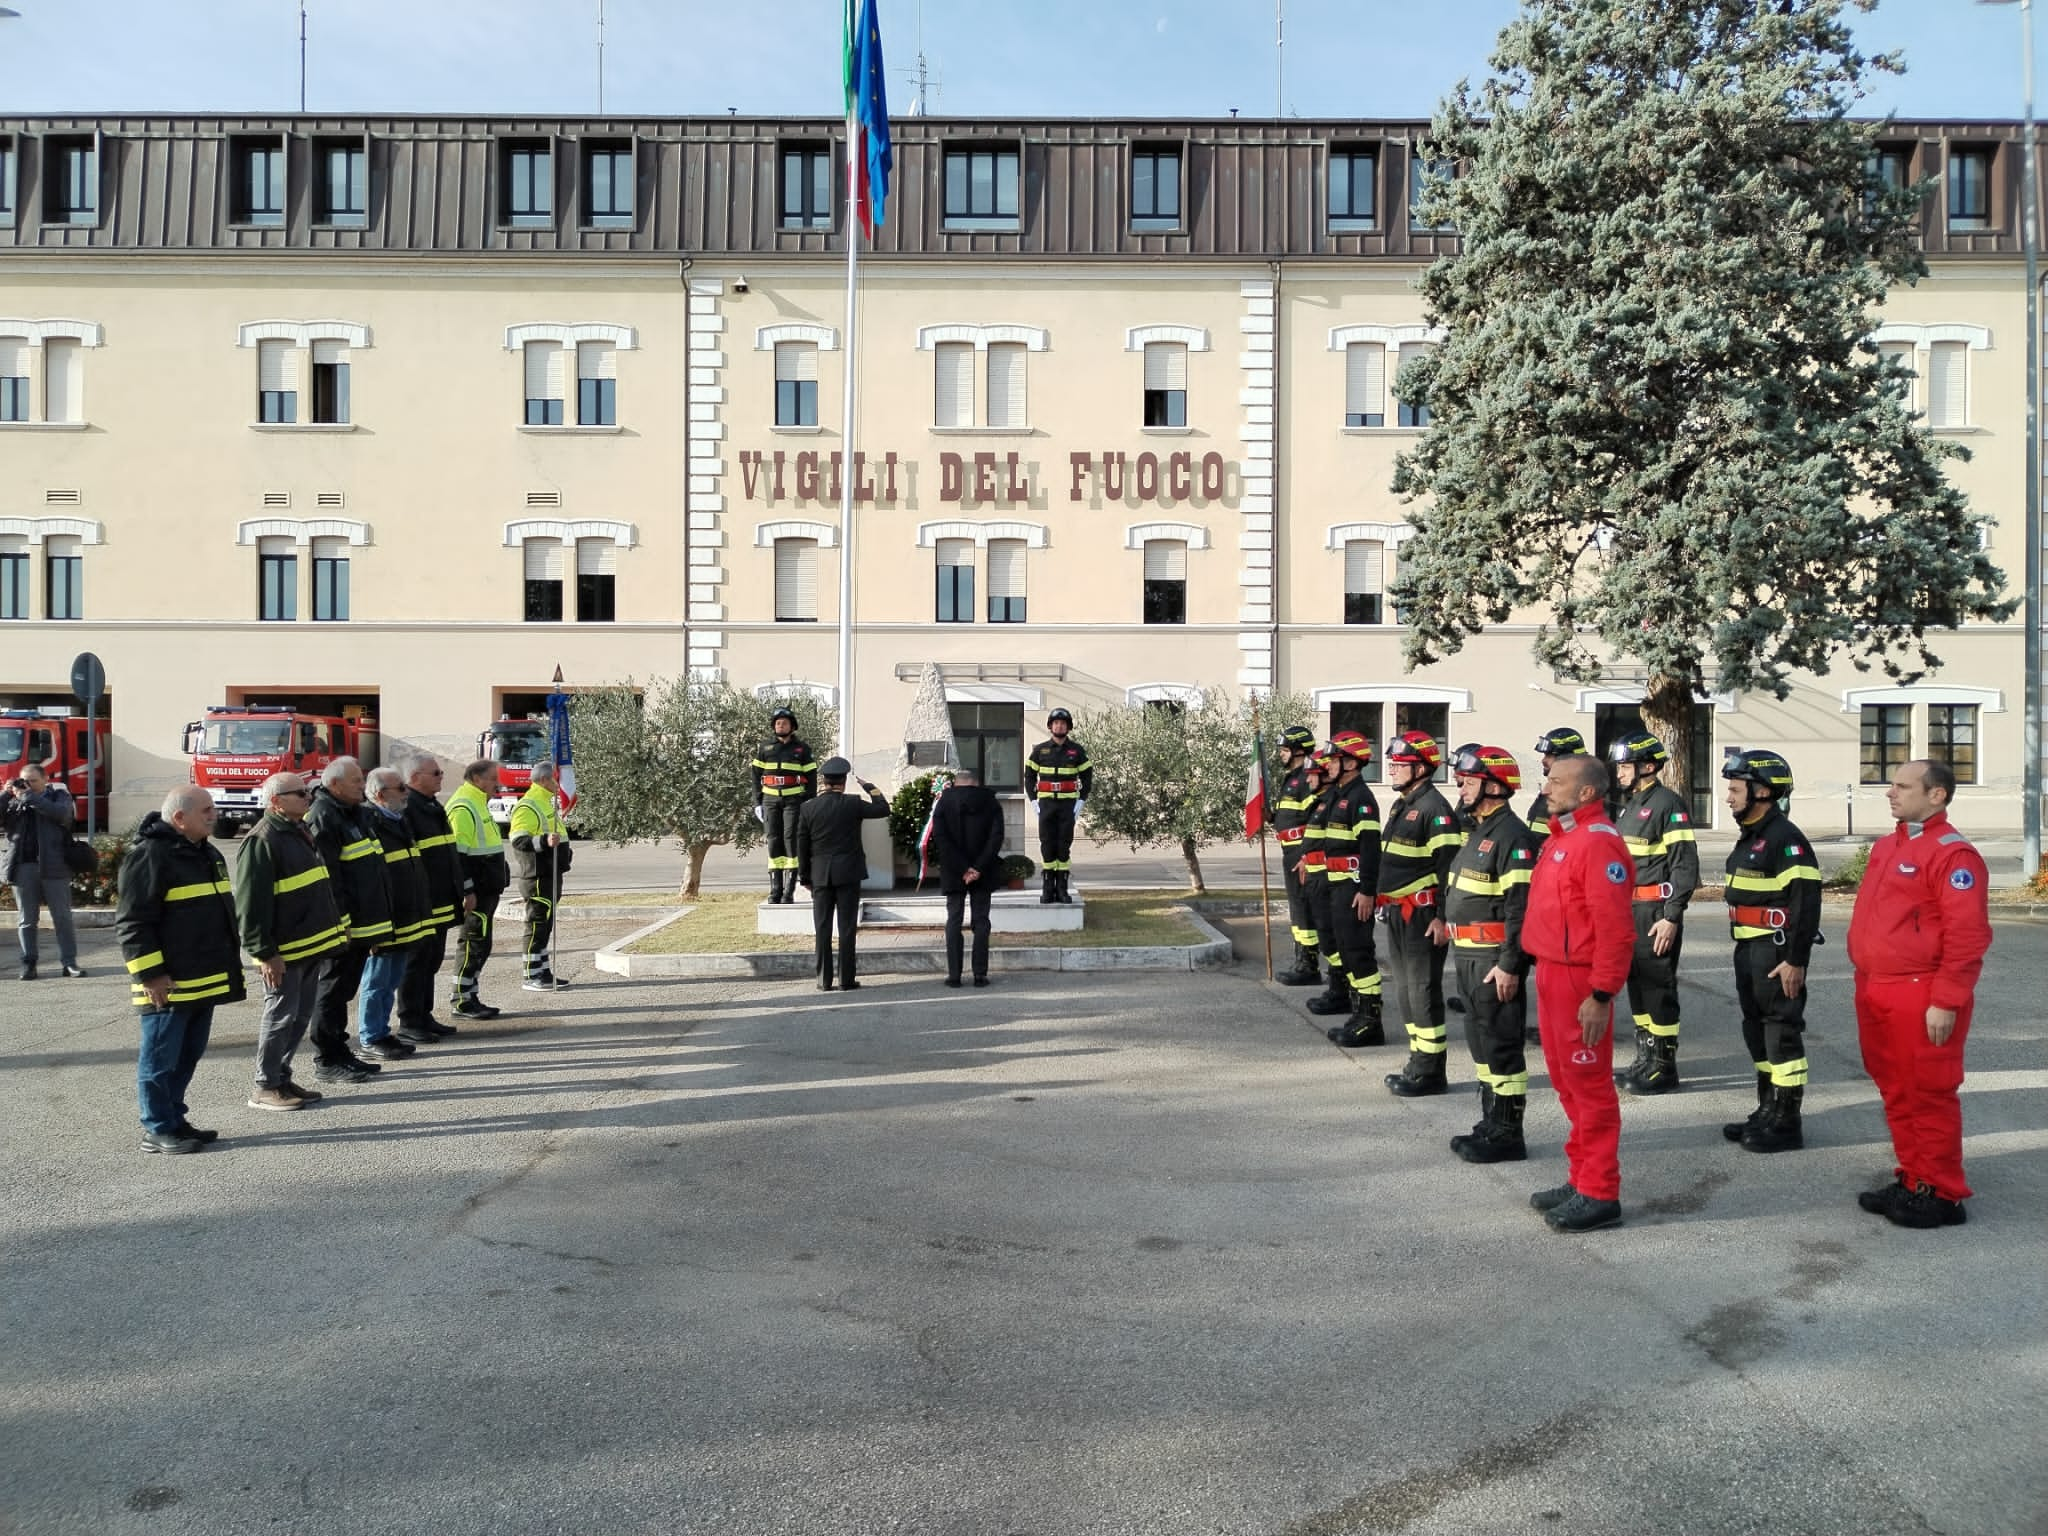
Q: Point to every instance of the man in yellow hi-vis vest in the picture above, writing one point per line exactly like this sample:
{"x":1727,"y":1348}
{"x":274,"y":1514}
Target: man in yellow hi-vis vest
{"x":539,"y":859}
{"x":482,"y":850}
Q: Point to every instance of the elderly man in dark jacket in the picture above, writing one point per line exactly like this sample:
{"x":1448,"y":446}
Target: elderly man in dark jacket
{"x":967,"y":831}
{"x":831,"y":864}
{"x":449,"y":899}
{"x":36,"y":816}
{"x":355,"y":864}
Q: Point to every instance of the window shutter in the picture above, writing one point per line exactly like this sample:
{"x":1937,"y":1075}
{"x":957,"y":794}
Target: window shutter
{"x":277,"y":545}
{"x":1903,"y":351}
{"x":13,"y":358}
{"x":1364,"y":565}
{"x":955,"y":551}
{"x":1166,"y":365}
{"x":1365,"y":379}
{"x":62,"y":546}
{"x":955,"y":384}
{"x":1006,"y":384}
{"x":1006,"y":568}
{"x":1166,"y":560}
{"x":543,"y":559}
{"x":1410,"y":350}
{"x":330,"y":549}
{"x":63,"y":382}
{"x":325,"y":352}
{"x":796,"y":362}
{"x":597,"y":557}
{"x":596,"y":360}
{"x":796,"y":578}
{"x":277,"y":365}
{"x":543,"y":370}
{"x":1948,"y":377}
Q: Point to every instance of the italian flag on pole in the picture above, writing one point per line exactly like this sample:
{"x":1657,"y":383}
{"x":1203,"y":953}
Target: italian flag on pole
{"x":867,"y":115}
{"x":1255,"y":790}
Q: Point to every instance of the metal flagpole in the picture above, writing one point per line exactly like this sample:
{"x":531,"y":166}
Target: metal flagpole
{"x":1265,"y":886}
{"x":845,"y":680}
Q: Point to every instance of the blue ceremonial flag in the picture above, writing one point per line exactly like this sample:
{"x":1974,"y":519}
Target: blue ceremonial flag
{"x":558,"y":748}
{"x":867,"y":110}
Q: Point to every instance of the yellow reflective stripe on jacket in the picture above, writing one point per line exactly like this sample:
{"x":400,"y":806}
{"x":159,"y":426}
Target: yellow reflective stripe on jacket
{"x":301,"y":880}
{"x":314,"y":943}
{"x":438,"y":840}
{"x":369,"y":930}
{"x":1426,"y":883}
{"x":401,"y":854}
{"x":1756,"y":880}
{"x":196,"y":989}
{"x":361,"y":848}
{"x":201,"y":888}
{"x":1643,"y":848}
{"x":474,"y":807}
{"x":1478,"y":885}
{"x":1399,"y":850}
{"x":146,"y":962}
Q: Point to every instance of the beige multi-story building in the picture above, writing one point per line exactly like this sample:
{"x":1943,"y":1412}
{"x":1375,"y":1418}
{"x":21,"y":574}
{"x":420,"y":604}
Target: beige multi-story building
{"x":405,"y":414}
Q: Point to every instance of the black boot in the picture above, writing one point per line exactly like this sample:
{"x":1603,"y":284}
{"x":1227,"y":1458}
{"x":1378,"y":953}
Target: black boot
{"x":1362,"y":1029}
{"x":1307,"y":971}
{"x":1423,"y":1076}
{"x":1735,"y":1129}
{"x":774,"y":887}
{"x":1779,"y":1129}
{"x":1499,"y":1138}
{"x":1045,"y":889}
{"x":1625,"y":1079}
{"x":1660,"y":1073}
{"x":1485,"y":1114}
{"x":1064,"y":888}
{"x":1335,"y":998}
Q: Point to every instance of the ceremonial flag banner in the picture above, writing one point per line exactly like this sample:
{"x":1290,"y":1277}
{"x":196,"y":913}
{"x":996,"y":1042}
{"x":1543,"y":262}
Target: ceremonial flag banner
{"x":867,"y":114}
{"x":1255,"y":790}
{"x":558,"y":748}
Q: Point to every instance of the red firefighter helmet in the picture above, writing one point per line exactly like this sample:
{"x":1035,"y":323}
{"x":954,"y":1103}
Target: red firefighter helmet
{"x":1351,"y":744}
{"x":1495,"y":763}
{"x":1418,"y":749}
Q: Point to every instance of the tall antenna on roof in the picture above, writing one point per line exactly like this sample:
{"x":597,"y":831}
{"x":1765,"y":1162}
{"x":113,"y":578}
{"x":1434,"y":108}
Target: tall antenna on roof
{"x":600,"y":58}
{"x":302,"y":55}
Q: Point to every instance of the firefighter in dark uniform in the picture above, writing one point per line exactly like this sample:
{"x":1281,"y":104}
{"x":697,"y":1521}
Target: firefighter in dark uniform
{"x":1057,"y":778}
{"x":1551,"y":745}
{"x":785,"y":776}
{"x":1656,"y":824}
{"x":1292,"y":808}
{"x":1422,"y":837}
{"x":1488,"y":897}
{"x":1774,"y":912}
{"x":1315,"y":884}
{"x":1351,"y":867}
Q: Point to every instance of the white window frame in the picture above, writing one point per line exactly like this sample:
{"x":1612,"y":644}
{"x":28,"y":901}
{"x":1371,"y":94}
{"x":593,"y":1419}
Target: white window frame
{"x":34,"y":335}
{"x":1922,"y":338}
{"x":621,"y":338}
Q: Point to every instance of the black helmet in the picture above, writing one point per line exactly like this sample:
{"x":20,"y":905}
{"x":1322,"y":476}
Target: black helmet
{"x":1768,"y":769}
{"x":1562,"y":742}
{"x":1058,"y":714}
{"x":1638,"y":747}
{"x":1298,"y":737}
{"x":785,"y":713}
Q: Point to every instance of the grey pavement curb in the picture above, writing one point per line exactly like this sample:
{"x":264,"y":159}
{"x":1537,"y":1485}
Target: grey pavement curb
{"x":1213,"y":953}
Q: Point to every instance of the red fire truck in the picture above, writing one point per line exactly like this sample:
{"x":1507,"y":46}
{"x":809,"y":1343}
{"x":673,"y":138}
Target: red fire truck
{"x":237,"y":746}
{"x":515,"y":746}
{"x":58,"y":743}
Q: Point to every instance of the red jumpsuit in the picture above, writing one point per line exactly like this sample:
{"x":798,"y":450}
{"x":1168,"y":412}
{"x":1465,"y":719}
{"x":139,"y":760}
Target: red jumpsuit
{"x":1581,"y":930}
{"x":1917,"y":939}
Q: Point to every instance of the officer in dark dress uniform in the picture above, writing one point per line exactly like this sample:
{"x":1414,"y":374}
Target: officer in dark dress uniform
{"x":831,"y":864}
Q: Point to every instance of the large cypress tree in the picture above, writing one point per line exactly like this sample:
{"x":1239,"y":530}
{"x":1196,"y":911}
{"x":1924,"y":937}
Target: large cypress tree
{"x":1658,"y":419}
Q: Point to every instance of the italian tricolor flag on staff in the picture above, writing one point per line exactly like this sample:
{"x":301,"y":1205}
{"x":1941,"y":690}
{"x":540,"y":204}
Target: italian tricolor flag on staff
{"x":867,"y":115}
{"x":1255,"y":790}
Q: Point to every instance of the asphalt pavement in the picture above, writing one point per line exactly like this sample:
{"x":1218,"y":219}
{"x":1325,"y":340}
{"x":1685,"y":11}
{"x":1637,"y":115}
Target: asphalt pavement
{"x":1073,"y":1255}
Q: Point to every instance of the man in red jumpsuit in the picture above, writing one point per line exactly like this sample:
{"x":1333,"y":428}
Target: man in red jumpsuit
{"x":1581,"y":931}
{"x":1918,"y":939}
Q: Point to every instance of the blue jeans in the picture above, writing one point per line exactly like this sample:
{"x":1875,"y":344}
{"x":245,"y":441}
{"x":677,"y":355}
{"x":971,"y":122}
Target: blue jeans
{"x":383,"y":970}
{"x":173,"y":1040}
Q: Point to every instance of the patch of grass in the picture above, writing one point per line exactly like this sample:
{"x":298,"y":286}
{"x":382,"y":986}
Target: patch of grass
{"x":723,"y":924}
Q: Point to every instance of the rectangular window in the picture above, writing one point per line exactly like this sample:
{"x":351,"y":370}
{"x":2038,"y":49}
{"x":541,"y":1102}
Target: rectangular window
{"x":806,"y":176}
{"x":1435,"y":719}
{"x":330,"y":382}
{"x":796,"y":581}
{"x":64,"y":586}
{"x":981,"y":188}
{"x":597,"y":566}
{"x":7,"y":174}
{"x":258,"y":188}
{"x":330,"y":581}
{"x":1367,"y":720}
{"x":1006,"y":384}
{"x":1166,"y":384}
{"x":543,"y":564}
{"x":1166,"y":581}
{"x":1901,"y":352}
{"x":1952,"y":738}
{"x":1364,"y":581}
{"x":63,"y":381}
{"x":277,"y":580}
{"x":1969,"y":189}
{"x":991,"y":742}
{"x":1155,"y":189}
{"x":543,"y":383}
{"x":13,"y":379}
{"x":1006,"y":581}
{"x":796,"y":384}
{"x":13,"y":576}
{"x":1421,"y":173}
{"x":342,"y":183}
{"x":526,"y":170}
{"x":597,"y":384}
{"x":1887,"y":740}
{"x":277,"y":381}
{"x":1354,"y":189}
{"x":1889,"y":169}
{"x":1365,"y":384}
{"x":1413,"y":413}
{"x":953,"y":384}
{"x":71,"y":179}
{"x":1948,"y":384}
{"x":955,"y":560}
{"x":608,"y":185}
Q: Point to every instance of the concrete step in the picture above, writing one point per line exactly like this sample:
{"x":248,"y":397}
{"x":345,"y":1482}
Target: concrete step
{"x":1009,"y":912}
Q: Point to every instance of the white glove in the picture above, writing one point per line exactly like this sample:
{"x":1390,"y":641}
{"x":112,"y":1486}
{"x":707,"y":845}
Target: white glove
{"x":1079,"y":807}
{"x":1038,"y":808}
{"x":761,"y":814}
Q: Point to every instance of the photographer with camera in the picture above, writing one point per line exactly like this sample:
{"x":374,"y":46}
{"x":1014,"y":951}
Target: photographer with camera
{"x":36,"y":815}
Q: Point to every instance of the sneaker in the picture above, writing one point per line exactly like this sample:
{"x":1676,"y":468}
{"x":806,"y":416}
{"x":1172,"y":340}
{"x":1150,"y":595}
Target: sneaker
{"x":470,"y":1008}
{"x":546,"y":981}
{"x":1582,"y":1213}
{"x":345,"y":1072}
{"x":436,"y":1028}
{"x":303,"y":1095}
{"x":28,"y":972}
{"x":1880,"y":1201}
{"x":171,"y":1143}
{"x":74,"y":970}
{"x":417,"y":1034}
{"x":204,"y":1138}
{"x":1550,"y":1199}
{"x":274,"y":1099}
{"x":387,"y":1048}
{"x":1922,"y":1208}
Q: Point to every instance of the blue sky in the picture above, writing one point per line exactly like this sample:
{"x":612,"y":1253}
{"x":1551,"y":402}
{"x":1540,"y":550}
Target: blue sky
{"x":1131,"y":58}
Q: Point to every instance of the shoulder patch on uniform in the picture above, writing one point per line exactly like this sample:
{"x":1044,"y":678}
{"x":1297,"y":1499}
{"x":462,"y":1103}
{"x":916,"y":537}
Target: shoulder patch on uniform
{"x":1953,"y":837}
{"x":1680,"y":816}
{"x":1521,"y":853}
{"x":1486,"y":846}
{"x":1617,"y":873}
{"x":1793,"y":849}
{"x":1961,"y":879}
{"x":1443,"y":821}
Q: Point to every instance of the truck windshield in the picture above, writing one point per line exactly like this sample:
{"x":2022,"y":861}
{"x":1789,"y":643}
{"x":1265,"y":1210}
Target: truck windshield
{"x":520,"y":748}
{"x":10,"y":743}
{"x":246,"y":738}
